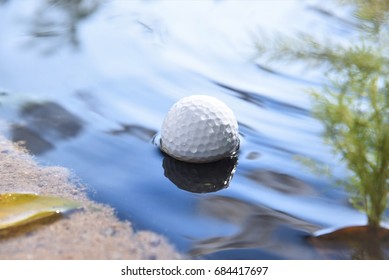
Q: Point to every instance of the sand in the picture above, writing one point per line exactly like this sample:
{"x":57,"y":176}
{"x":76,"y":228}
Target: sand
{"x":91,"y":233}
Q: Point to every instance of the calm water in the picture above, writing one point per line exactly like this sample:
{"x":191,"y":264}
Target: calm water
{"x":87,"y":84}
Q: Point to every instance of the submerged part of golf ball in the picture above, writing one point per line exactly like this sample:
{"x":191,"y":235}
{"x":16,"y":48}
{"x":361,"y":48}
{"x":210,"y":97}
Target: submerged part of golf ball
{"x":198,"y":129}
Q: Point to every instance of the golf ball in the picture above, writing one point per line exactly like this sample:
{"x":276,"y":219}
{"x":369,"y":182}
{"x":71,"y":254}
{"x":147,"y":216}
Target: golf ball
{"x":200,"y":129}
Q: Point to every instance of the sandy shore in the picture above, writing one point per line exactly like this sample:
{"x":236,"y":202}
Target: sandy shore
{"x":91,"y":233}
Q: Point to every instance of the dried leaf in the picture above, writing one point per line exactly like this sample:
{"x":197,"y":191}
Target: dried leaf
{"x":22,"y":208}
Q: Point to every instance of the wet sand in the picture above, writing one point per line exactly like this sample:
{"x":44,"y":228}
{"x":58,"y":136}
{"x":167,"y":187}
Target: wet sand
{"x":90,"y":233}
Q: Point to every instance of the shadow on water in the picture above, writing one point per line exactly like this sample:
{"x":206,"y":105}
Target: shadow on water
{"x":327,"y":14}
{"x":43,"y":125}
{"x":140,"y":132}
{"x":267,"y":230}
{"x":286,"y":76}
{"x":264,"y":101}
{"x":281,"y":182}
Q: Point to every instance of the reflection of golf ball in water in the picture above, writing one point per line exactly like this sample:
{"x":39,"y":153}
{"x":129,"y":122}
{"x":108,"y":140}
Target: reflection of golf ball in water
{"x":200,"y":178}
{"x":199,"y":129}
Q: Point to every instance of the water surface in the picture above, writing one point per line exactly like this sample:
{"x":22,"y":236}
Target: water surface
{"x":86,"y":84}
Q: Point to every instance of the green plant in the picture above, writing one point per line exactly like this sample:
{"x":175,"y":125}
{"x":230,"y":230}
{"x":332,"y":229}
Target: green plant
{"x":354,"y":104}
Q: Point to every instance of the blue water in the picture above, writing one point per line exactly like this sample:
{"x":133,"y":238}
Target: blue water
{"x":87,"y":87}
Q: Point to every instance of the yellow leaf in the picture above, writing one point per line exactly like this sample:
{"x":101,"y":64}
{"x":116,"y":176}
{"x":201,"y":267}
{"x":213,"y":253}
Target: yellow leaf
{"x":22,"y":208}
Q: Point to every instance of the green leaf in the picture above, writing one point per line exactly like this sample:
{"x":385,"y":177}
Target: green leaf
{"x":21,"y":208}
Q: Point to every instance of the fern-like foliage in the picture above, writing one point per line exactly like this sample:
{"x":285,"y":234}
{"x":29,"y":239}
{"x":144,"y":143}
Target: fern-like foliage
{"x":354,"y":104}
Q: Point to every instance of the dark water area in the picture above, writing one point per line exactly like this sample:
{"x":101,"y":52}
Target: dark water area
{"x":86,"y":85}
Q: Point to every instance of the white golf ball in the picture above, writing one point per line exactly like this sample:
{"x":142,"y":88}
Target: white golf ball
{"x":200,"y":128}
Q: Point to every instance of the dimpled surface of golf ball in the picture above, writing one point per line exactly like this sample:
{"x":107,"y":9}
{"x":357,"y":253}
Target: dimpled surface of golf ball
{"x":200,"y":129}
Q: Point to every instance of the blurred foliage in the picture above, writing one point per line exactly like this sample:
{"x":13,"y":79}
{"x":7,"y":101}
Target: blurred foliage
{"x":371,"y":14}
{"x":56,"y":23}
{"x":354,"y":103}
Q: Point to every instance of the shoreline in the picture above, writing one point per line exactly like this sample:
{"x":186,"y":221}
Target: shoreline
{"x":94,"y":232}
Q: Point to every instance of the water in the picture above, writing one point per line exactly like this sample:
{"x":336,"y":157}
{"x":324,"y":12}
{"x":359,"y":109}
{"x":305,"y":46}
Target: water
{"x":87,"y":84}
